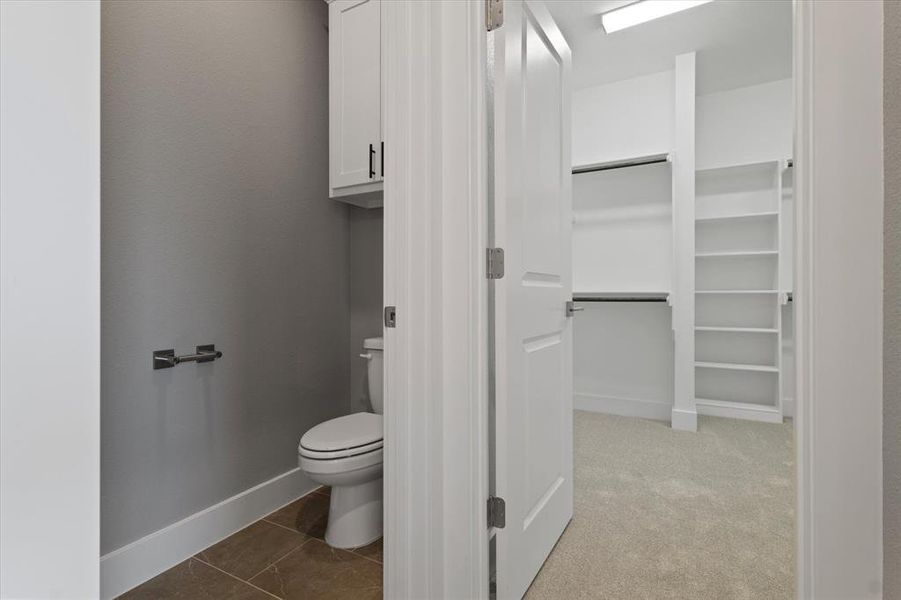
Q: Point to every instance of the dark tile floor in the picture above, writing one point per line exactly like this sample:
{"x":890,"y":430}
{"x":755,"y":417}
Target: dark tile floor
{"x":282,"y":555}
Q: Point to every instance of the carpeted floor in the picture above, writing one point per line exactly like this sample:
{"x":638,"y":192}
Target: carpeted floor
{"x":669,"y":514}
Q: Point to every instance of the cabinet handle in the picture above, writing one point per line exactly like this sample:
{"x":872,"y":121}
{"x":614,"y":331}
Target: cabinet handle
{"x":371,"y":152}
{"x":382,"y":158}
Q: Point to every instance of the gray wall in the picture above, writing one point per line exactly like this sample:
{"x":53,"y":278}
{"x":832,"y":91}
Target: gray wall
{"x":216,"y":228}
{"x":366,"y":266}
{"x":892,"y":303}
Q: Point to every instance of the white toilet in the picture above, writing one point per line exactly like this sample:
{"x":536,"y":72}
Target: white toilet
{"x":346,"y":454}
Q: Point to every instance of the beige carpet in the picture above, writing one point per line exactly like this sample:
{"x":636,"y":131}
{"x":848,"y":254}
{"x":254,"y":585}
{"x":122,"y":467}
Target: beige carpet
{"x":668,"y":514}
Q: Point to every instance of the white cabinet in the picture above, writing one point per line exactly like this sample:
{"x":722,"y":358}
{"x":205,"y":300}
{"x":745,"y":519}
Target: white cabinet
{"x":356,"y":165}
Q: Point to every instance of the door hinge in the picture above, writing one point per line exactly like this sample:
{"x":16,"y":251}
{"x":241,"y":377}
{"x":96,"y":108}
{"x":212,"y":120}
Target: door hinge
{"x":495,"y":264}
{"x":494,"y":14}
{"x":390,"y":316}
{"x":497,"y":510}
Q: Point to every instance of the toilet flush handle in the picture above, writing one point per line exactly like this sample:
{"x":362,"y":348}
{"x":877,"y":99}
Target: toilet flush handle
{"x":366,"y":355}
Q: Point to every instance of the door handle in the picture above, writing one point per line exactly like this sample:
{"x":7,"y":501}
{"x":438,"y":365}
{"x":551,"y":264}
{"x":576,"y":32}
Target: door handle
{"x":371,"y":170}
{"x":382,"y":159}
{"x":572,"y":309}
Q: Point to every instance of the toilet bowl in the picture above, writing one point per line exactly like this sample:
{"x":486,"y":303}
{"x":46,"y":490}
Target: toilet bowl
{"x":346,"y":454}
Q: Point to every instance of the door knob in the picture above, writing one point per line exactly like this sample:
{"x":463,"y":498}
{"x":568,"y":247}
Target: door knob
{"x":572,"y":309}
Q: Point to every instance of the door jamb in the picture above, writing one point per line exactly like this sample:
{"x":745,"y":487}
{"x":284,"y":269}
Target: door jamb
{"x":838,"y":297}
{"x":435,"y":461}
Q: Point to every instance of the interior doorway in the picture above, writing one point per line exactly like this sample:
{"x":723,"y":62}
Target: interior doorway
{"x":661,"y":259}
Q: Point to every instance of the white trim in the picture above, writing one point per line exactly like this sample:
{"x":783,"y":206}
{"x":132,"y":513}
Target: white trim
{"x":132,"y":565}
{"x":50,"y":302}
{"x":838,"y":159}
{"x":684,"y":420}
{"x":738,"y":410}
{"x":684,"y":415}
{"x":658,"y":410}
{"x":788,"y":407}
{"x":436,"y":482}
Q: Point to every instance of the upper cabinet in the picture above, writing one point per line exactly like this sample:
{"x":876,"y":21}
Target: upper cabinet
{"x":356,"y":165}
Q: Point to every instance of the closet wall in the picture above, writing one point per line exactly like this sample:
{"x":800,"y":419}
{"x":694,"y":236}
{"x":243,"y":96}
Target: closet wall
{"x":745,"y":125}
{"x":623,"y":245}
{"x":626,"y":118}
{"x":623,"y":238}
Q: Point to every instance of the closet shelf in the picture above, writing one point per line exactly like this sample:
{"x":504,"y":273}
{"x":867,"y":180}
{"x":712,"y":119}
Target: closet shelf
{"x":736,"y":291}
{"x":738,"y":329}
{"x":737,"y":367}
{"x":753,"y":215}
{"x":745,"y":166}
{"x":737,"y":254}
{"x":620,"y":296}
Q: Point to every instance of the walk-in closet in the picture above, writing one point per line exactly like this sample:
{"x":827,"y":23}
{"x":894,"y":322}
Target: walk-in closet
{"x":682,"y":221}
{"x":682,"y":236}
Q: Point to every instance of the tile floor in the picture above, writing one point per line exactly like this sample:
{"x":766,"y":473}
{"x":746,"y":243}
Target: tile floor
{"x":282,"y":555}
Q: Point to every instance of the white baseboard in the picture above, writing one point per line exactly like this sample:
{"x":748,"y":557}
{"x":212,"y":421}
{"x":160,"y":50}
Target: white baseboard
{"x":132,"y":565}
{"x":738,"y":410}
{"x":684,"y":420}
{"x":788,"y":407}
{"x":624,"y":407}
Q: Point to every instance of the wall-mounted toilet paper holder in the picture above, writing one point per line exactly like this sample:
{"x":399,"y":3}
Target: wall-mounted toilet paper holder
{"x":166,"y":359}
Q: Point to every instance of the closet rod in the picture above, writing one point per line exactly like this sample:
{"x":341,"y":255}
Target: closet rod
{"x":621,"y":297}
{"x":620,"y":164}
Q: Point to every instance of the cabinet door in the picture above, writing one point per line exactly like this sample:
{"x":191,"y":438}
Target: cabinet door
{"x":354,"y":92}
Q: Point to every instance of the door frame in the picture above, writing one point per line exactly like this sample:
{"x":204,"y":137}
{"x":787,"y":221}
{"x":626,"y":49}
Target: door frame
{"x":50,"y":307}
{"x":838,"y":267}
{"x":436,"y":222}
{"x":436,"y":432}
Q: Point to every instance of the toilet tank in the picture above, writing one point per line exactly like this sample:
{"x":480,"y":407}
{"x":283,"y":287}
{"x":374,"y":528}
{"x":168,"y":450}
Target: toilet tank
{"x":373,"y":350}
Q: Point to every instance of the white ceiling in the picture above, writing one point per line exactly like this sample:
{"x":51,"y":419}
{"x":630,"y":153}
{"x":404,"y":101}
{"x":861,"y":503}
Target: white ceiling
{"x":739,"y":42}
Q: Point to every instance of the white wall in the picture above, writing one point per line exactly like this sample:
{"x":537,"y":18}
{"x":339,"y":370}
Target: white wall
{"x":623,"y":359}
{"x":623,"y":242}
{"x":623,"y":119}
{"x":50,"y":309}
{"x":745,"y":125}
{"x":622,"y":229}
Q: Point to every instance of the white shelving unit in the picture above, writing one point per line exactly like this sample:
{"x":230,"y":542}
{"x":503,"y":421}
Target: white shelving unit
{"x":738,"y":340}
{"x":676,"y":192}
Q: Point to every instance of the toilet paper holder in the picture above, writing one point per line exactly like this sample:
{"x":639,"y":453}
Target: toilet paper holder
{"x":166,"y":359}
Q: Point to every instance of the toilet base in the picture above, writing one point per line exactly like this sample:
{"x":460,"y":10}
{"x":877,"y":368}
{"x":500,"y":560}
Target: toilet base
{"x":355,"y":515}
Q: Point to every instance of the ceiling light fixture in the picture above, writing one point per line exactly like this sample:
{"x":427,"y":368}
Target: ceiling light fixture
{"x":644,"y":11}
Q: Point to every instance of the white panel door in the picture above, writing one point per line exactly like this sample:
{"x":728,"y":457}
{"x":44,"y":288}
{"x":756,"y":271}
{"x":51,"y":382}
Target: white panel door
{"x":533,"y":335}
{"x":355,"y":122}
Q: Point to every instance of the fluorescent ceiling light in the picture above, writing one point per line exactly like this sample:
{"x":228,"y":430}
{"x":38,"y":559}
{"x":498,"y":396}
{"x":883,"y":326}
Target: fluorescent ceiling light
{"x":644,"y":11}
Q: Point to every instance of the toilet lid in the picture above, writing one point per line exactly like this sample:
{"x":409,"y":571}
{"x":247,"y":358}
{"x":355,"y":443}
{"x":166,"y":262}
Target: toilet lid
{"x":344,"y":433}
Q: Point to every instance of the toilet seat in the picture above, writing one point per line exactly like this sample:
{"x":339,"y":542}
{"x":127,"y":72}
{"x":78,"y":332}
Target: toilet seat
{"x":344,"y":453}
{"x":343,"y":437}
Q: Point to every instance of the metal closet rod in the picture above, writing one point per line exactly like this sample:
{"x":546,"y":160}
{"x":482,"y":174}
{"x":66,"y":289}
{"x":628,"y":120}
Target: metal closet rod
{"x":614,"y":297}
{"x":621,"y":164}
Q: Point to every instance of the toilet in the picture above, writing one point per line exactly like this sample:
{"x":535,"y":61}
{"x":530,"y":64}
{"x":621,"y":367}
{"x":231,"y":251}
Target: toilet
{"x":346,"y":454}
